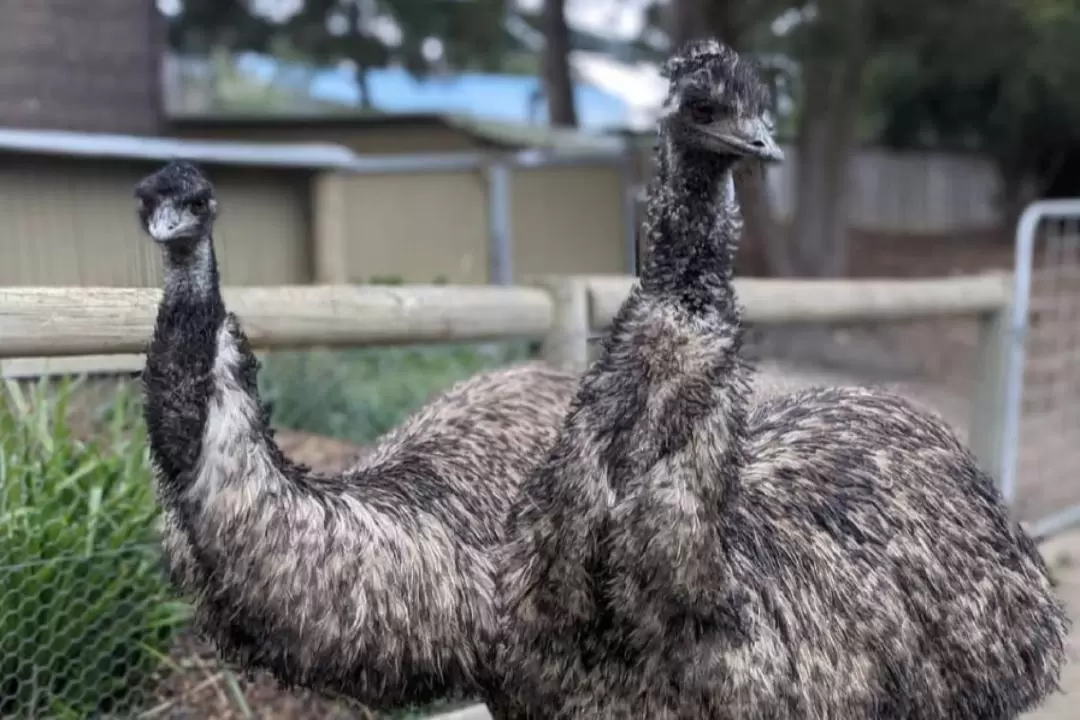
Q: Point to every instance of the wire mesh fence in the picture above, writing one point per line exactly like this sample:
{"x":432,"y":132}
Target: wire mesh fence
{"x":1047,"y":384}
{"x":89,"y":625}
{"x":84,"y":614}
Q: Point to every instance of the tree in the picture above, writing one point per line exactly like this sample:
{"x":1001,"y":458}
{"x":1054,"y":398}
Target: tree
{"x":558,"y":84}
{"x":199,"y":26}
{"x":1001,"y":83}
{"x":996,"y":76}
{"x":419,"y":34}
{"x":834,"y":49}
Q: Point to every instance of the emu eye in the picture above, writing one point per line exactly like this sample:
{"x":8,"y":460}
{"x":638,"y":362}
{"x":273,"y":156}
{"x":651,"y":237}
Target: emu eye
{"x":198,"y":205}
{"x":701,"y":111}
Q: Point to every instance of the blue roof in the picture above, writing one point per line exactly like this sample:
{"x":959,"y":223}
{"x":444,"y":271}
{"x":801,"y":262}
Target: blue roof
{"x":486,"y":96}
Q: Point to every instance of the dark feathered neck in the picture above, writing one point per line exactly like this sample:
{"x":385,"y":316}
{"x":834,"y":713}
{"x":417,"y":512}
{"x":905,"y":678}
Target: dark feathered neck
{"x":177,"y":379}
{"x":692,"y":233}
{"x":191,"y":274}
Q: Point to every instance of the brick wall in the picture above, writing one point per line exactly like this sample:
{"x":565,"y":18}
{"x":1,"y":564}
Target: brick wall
{"x":84,"y":65}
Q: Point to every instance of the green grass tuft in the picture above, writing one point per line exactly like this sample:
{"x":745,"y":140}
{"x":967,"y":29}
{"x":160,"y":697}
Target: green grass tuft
{"x":84,"y":606}
{"x":357,"y":395}
{"x":86,"y":614}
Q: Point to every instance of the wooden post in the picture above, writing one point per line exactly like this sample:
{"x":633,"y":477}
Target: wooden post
{"x":988,"y":405}
{"x":566,"y":345}
{"x":330,"y":227}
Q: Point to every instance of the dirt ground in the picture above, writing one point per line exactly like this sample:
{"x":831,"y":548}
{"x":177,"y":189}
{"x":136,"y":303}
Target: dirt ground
{"x":202,"y":690}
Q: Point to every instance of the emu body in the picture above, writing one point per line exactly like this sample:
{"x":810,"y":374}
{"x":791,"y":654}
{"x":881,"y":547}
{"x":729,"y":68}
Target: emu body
{"x":376,"y":583}
{"x":833,"y":553}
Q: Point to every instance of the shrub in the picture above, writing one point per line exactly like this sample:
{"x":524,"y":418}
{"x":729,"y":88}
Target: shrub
{"x":85,"y":610}
{"x":359,"y":394}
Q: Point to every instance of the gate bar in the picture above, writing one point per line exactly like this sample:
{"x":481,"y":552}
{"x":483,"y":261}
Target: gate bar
{"x":1024,"y":260}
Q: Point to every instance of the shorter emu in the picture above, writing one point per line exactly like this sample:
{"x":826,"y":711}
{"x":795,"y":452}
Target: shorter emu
{"x":832,"y":554}
{"x":377,"y":582}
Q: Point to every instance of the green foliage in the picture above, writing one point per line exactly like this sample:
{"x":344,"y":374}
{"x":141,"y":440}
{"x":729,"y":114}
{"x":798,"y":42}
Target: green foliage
{"x":993,"y":76}
{"x":359,"y":394}
{"x":84,"y":607}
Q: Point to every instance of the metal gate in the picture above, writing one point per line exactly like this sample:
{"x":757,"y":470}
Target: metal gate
{"x":1040,"y":459}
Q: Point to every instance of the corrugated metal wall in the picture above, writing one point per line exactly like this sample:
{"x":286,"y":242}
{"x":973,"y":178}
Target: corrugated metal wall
{"x":69,"y":221}
{"x":568,"y":220}
{"x":907,"y":192}
{"x":72,"y":222}
{"x":418,"y":227}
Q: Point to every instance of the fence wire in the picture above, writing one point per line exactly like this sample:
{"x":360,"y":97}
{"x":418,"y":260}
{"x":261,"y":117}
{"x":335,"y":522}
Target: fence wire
{"x":1048,"y":386}
{"x":89,"y":626}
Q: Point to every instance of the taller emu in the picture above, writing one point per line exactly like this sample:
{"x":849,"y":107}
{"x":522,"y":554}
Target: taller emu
{"x":377,"y":583}
{"x":833,"y":553}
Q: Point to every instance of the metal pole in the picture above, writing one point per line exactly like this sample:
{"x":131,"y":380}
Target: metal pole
{"x":629,"y":203}
{"x":987,"y":436}
{"x":499,"y":214}
{"x":1014,"y":374}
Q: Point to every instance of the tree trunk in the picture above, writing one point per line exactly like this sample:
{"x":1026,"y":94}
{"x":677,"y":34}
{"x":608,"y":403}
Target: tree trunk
{"x":1019,"y":188}
{"x":687,"y":20}
{"x":356,"y":24}
{"x":556,"y":65}
{"x":720,"y":18}
{"x":833,"y":78}
{"x":759,"y":222}
{"x":362,"y":87}
{"x":819,"y":232}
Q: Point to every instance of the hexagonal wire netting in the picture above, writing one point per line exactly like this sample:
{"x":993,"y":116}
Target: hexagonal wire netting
{"x":84,"y":613}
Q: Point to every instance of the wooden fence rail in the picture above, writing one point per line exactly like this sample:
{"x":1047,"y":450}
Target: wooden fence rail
{"x":561,"y":311}
{"x":55,"y":322}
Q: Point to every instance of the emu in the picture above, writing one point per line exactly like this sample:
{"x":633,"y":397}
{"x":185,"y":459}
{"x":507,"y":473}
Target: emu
{"x":833,"y":553}
{"x":377,"y":583}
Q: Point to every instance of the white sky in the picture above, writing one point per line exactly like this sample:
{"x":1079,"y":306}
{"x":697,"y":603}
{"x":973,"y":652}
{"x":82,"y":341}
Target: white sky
{"x":613,"y":19}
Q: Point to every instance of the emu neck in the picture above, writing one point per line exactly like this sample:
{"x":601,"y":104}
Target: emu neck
{"x":669,"y":386}
{"x":191,"y":274}
{"x":691,"y":231}
{"x":681,"y":331}
{"x":627,"y":508}
{"x":178,"y":381}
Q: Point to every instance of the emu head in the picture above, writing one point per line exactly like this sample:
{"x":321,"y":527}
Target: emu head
{"x":176,"y":204}
{"x":717,"y":103}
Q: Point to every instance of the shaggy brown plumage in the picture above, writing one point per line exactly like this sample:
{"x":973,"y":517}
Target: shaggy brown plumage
{"x":834,"y":553}
{"x":378,"y":582}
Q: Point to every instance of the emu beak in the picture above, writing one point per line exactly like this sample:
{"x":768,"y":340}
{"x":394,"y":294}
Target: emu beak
{"x":751,"y":137}
{"x":164,"y":223}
